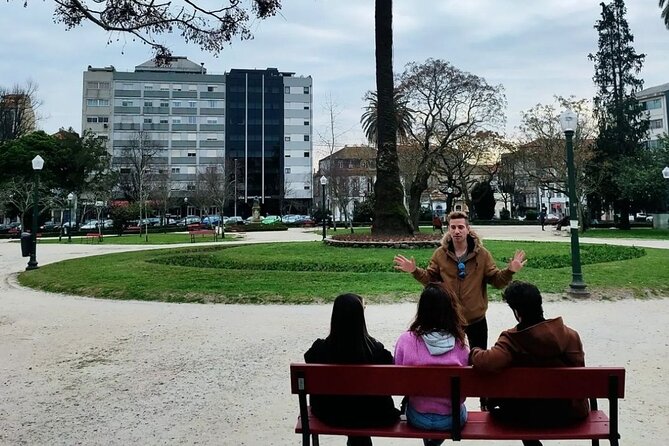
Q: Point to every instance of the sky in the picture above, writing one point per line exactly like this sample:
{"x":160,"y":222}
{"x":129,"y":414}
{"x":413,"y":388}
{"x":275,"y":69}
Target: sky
{"x":534,"y":49}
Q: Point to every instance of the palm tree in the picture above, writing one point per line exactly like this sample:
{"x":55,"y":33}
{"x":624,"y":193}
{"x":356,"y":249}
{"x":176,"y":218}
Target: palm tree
{"x":665,"y":12}
{"x":403,"y":117}
{"x":390,"y":215}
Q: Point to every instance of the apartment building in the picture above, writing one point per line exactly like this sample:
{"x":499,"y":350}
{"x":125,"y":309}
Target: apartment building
{"x":655,"y":100}
{"x":253,"y":124}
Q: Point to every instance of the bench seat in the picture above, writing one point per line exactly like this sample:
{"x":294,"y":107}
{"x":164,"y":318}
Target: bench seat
{"x":479,"y":426}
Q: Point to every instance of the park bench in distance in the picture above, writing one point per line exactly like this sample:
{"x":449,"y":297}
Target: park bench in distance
{"x":92,"y":237}
{"x":195,"y":229}
{"x":456,"y":382}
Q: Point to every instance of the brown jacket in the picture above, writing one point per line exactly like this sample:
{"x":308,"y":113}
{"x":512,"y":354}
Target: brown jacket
{"x":547,"y":344}
{"x":480,"y":270}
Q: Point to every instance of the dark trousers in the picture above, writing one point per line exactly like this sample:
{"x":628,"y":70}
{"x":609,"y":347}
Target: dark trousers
{"x":477,"y":333}
{"x":359,"y":441}
{"x":531,"y":443}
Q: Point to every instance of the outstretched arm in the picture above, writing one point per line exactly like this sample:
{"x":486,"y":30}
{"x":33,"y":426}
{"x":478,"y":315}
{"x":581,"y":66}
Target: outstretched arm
{"x":404,"y":264}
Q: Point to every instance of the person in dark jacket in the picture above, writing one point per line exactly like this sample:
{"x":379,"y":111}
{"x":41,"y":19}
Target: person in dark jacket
{"x":534,"y":342}
{"x":349,"y":343}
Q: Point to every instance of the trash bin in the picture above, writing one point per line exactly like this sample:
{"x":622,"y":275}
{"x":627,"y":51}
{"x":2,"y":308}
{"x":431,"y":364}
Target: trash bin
{"x":26,"y":244}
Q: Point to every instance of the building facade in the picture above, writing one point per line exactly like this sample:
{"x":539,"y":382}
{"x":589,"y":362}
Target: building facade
{"x":655,"y":100}
{"x":242,"y":123}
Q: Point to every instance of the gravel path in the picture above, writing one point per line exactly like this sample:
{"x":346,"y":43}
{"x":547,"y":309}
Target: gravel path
{"x":95,"y":372}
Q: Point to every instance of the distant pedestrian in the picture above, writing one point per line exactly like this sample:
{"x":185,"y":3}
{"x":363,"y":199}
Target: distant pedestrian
{"x":437,"y":224}
{"x":542,"y":218}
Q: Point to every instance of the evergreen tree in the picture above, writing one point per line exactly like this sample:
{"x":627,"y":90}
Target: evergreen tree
{"x":621,"y":121}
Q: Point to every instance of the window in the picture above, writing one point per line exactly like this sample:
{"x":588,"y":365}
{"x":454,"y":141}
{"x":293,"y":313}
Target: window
{"x":652,"y":104}
{"x":192,"y":88}
{"x":176,"y":120}
{"x":102,"y":137}
{"x":127,"y":103}
{"x":163,"y":120}
{"x":655,"y":123}
{"x":286,"y":90}
{"x":148,"y":103}
{"x":212,"y":137}
{"x":306,"y":90}
{"x":213,"y":104}
{"x":128,"y":86}
{"x":148,"y":120}
{"x":98,"y":85}
{"x":176,"y":169}
{"x":164,"y":87}
{"x":306,"y":122}
{"x":307,"y":187}
{"x":306,"y":137}
{"x":192,"y":120}
{"x":164,"y":104}
{"x":176,"y":87}
{"x":286,"y":138}
{"x":211,"y":88}
{"x":306,"y":107}
{"x":306,"y":154}
{"x":97,"y":102}
{"x":176,"y":103}
{"x":191,"y":154}
{"x":192,"y":104}
{"x":212,"y":120}
{"x":148,"y":86}
{"x":92,"y":119}
{"x":287,"y":170}
{"x":287,"y":156}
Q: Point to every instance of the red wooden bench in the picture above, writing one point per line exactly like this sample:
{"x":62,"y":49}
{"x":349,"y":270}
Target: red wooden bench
{"x":92,"y":237}
{"x":456,"y":382}
{"x":202,"y":232}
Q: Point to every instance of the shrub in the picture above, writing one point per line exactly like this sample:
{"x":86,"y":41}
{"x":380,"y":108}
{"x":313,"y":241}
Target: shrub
{"x":504,"y":214}
{"x":531,"y":215}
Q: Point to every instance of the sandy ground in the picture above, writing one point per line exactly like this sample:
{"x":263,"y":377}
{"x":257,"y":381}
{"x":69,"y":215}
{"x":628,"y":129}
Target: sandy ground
{"x":94,"y":372}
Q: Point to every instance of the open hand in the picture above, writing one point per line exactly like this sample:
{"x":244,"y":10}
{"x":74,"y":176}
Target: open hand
{"x":404,"y":264}
{"x":518,"y":261}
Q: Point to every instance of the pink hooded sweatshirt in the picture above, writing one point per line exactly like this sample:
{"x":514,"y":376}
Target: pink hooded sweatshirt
{"x":436,"y":348}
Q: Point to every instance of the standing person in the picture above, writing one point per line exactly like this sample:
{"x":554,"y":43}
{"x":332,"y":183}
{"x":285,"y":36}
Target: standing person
{"x":437,"y":224}
{"x":465,"y":267}
{"x":349,"y":343}
{"x":542,"y":217}
{"x":435,"y":337}
{"x":534,"y":342}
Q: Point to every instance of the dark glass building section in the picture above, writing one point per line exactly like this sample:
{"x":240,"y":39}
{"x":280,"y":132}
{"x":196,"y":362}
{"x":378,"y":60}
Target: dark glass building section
{"x":254,"y":115}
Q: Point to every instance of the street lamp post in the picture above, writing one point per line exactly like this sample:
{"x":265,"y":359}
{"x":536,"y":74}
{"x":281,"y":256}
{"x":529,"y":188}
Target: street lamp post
{"x":324,"y":182}
{"x":186,"y":213}
{"x":235,"y":202}
{"x":38,"y":164}
{"x":665,"y":174}
{"x":568,"y":121}
{"x":70,"y":199}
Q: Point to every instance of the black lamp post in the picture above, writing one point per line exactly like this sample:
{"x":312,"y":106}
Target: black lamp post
{"x":324,"y":182}
{"x":568,"y":121}
{"x":186,"y":213}
{"x":38,"y":164}
{"x":70,"y":199}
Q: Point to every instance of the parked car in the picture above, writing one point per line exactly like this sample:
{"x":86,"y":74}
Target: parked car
{"x":50,"y":226}
{"x":188,"y":220}
{"x":234,"y":220}
{"x":271,"y":219}
{"x":211,"y":220}
{"x":90,"y":224}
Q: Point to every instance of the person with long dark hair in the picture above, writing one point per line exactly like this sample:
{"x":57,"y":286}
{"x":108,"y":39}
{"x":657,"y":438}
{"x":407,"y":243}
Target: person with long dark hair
{"x":435,"y":337}
{"x":350,"y":343}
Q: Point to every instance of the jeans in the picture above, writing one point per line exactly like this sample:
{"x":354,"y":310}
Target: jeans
{"x":433,"y":421}
{"x":477,"y":334}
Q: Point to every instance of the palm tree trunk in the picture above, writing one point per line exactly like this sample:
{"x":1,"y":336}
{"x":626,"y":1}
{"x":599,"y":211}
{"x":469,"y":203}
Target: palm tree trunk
{"x":390,"y":216}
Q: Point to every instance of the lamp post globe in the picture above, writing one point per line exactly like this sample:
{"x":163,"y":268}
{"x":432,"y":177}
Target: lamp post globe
{"x":38,"y":164}
{"x":186,"y":213}
{"x":569,"y":123}
{"x":324,"y":182}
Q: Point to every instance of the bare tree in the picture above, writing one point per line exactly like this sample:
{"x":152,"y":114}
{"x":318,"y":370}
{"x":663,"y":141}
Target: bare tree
{"x":216,"y":182}
{"x":211,"y":27}
{"x":18,"y":110}
{"x":20,"y":195}
{"x":449,"y":106}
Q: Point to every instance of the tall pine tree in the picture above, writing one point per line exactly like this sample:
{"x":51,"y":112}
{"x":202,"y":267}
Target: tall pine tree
{"x":622,"y":123}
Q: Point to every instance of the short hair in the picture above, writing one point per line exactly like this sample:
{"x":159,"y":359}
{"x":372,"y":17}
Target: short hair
{"x":456,"y":215}
{"x":525,"y":299}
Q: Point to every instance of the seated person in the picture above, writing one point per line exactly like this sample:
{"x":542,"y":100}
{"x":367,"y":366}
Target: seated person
{"x":349,"y":343}
{"x":534,"y":342}
{"x":436,"y":337}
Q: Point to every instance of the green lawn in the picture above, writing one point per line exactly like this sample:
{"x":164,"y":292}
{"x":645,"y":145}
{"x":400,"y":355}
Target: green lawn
{"x":313,"y":272}
{"x":168,"y":238}
{"x":641,"y":233}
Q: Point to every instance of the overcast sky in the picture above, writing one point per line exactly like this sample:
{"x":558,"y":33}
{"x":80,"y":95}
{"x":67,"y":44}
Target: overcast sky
{"x":535,"y":49}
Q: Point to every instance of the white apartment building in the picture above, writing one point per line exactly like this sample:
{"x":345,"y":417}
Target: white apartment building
{"x":655,"y":101}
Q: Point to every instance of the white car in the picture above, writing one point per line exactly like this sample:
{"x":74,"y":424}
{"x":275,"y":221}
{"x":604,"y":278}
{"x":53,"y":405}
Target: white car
{"x":90,"y":224}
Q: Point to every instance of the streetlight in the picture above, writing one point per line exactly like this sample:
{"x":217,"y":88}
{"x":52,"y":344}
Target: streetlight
{"x":70,"y":199}
{"x":38,"y":163}
{"x":324,"y":182}
{"x":186,"y":213}
{"x":665,"y":174}
{"x":568,"y":122}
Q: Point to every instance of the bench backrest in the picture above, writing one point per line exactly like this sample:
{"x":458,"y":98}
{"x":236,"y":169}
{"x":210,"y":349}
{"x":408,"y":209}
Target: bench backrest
{"x":564,"y":382}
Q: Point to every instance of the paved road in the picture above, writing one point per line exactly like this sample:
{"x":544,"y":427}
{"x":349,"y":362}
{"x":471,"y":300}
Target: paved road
{"x":86,"y":371}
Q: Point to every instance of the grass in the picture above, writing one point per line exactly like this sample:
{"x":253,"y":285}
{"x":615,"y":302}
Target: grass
{"x":312,"y":272}
{"x":168,"y":238}
{"x":638,"y":233}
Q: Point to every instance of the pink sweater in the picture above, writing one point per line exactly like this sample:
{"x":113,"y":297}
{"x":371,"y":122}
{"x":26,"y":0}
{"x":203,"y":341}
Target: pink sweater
{"x":411,"y":350}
